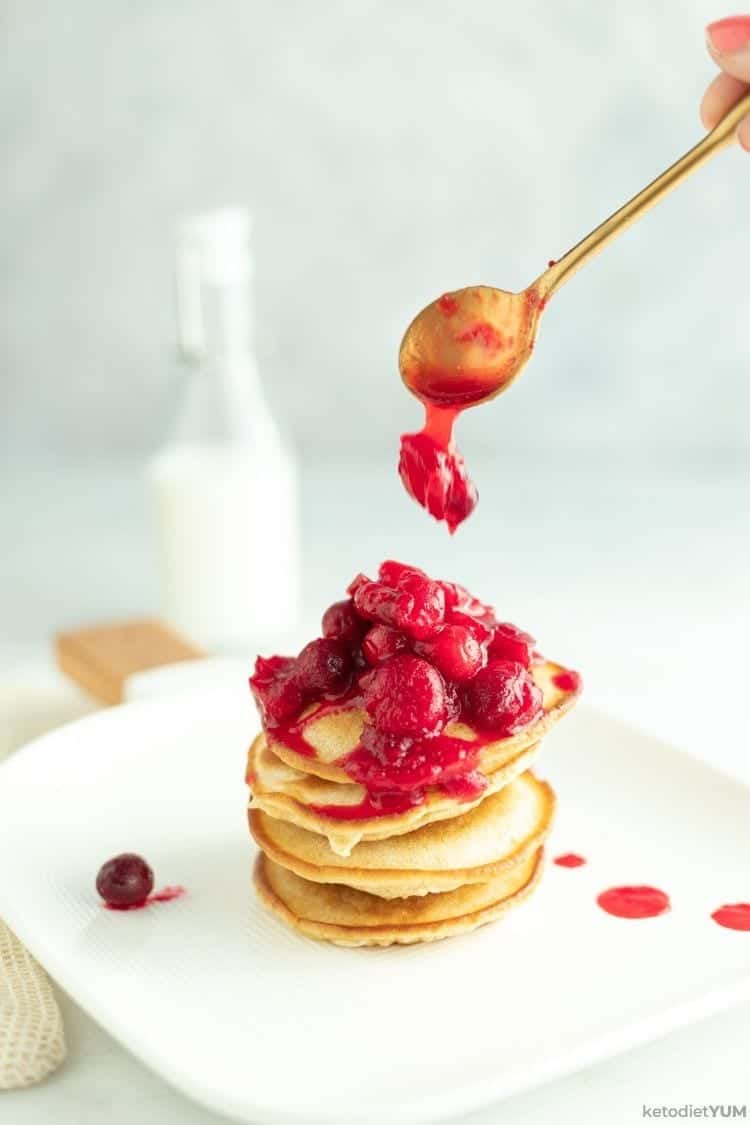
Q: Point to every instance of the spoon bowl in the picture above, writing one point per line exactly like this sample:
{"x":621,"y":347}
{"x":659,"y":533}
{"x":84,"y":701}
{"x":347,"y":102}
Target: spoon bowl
{"x":469,"y":345}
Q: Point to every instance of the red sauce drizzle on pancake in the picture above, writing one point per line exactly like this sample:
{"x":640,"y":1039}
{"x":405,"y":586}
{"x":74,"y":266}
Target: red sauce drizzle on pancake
{"x":567,"y":680}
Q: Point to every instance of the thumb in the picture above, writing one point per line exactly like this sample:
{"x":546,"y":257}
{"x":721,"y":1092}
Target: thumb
{"x":728,"y":42}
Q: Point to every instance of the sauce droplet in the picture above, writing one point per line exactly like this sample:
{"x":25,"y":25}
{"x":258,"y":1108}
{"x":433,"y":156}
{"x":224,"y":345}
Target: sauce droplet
{"x":733,"y":916}
{"x":634,"y":902}
{"x":166,"y":894}
{"x":569,"y":859}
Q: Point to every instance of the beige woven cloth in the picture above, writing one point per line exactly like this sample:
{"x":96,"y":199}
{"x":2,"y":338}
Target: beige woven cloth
{"x":32,"y":1040}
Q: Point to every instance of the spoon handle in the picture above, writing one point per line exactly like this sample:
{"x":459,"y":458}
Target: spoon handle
{"x":718,"y":138}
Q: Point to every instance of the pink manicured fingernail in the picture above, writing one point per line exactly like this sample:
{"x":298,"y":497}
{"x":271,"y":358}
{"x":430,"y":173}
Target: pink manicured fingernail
{"x":731,"y":34}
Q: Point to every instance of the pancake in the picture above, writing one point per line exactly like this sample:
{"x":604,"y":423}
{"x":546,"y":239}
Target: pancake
{"x":494,"y":837}
{"x":288,"y":794}
{"x":333,"y":736}
{"x":353,"y":918}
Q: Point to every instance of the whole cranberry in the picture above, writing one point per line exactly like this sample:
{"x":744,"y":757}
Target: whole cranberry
{"x":390,"y":572}
{"x":341,"y":622}
{"x":503,"y":698}
{"x":379,"y":603}
{"x":455,"y":651}
{"x":125,"y":880}
{"x":381,"y":642}
{"x":406,"y":695}
{"x":324,"y":667}
{"x":416,"y":605}
{"x":511,"y":643}
{"x":475,"y":625}
{"x":425,"y":613}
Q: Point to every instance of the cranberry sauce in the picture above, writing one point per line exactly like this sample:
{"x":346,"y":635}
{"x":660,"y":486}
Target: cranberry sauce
{"x":458,"y":357}
{"x":433,"y":471}
{"x":414,"y":655}
{"x":292,"y":733}
{"x":374,"y":805}
{"x":567,"y":681}
{"x":634,"y":902}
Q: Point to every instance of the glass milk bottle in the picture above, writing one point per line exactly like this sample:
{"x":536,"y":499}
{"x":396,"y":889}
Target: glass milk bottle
{"x":225,"y":482}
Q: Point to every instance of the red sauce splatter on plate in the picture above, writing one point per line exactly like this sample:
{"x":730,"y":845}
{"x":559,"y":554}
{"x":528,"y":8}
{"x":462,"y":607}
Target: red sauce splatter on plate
{"x":569,"y":859}
{"x":733,"y":916}
{"x":166,"y":894}
{"x":634,"y":902}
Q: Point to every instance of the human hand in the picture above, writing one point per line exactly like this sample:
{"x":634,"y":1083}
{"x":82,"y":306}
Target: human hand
{"x":728,"y":43}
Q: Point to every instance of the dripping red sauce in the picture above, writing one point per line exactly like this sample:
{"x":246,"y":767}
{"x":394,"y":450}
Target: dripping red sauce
{"x":293,"y":734}
{"x":166,"y":894}
{"x":396,"y":775}
{"x":374,"y":805}
{"x":431,"y":468}
{"x":733,"y":916}
{"x":448,"y":763}
{"x":569,"y":859}
{"x":634,"y":902}
{"x":567,"y":680}
{"x":433,"y":471}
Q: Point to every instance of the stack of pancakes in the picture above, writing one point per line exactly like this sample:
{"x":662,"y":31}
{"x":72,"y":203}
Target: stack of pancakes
{"x":438,"y":868}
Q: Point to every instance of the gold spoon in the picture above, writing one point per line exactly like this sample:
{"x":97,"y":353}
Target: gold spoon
{"x":469,"y":345}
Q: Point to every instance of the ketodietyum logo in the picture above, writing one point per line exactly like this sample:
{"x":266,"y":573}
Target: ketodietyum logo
{"x":706,"y":1111}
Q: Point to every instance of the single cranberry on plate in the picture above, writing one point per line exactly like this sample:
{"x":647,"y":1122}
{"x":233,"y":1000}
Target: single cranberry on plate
{"x":125,"y":880}
{"x":406,"y":696}
{"x":455,"y":651}
{"x":503,"y":697}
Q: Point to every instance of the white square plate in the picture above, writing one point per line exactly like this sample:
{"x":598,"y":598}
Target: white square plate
{"x":256,"y":1022}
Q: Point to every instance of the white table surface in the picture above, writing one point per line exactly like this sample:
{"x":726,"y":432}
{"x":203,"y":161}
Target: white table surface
{"x":638,"y":577}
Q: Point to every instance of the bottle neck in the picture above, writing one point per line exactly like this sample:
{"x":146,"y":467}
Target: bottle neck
{"x":223,"y":400}
{"x":224,"y":341}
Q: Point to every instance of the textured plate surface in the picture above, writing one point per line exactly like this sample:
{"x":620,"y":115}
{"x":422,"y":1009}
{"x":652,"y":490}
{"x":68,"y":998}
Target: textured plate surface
{"x":251,"y":1019}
